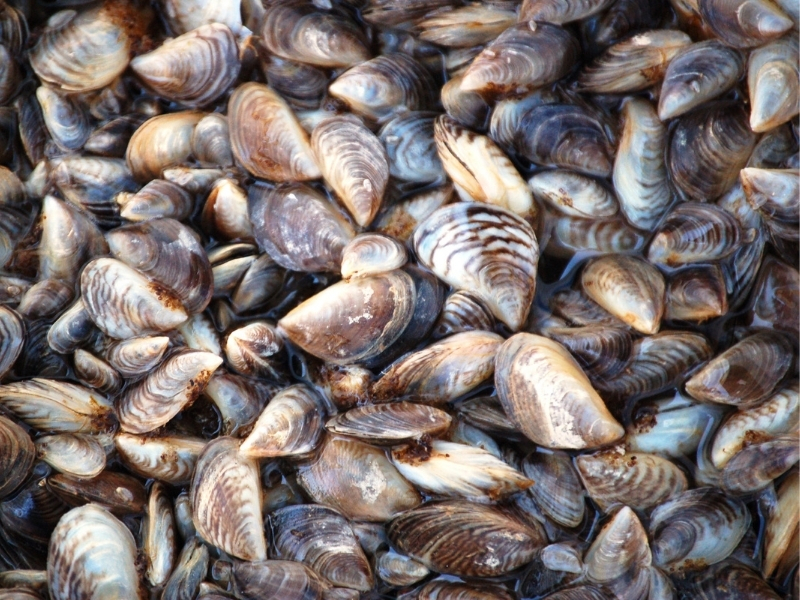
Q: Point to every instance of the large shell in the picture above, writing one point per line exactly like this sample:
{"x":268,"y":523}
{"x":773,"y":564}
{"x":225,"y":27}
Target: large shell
{"x":619,"y":550}
{"x":193,"y":69}
{"x":16,"y":458}
{"x":561,"y":11}
{"x":698,"y":73}
{"x":410,"y":147}
{"x":640,"y":169}
{"x":161,"y":142}
{"x":170,"y":459}
{"x":480,"y":169}
{"x":354,"y":163}
{"x":461,"y":538}
{"x":385,"y":85}
{"x":301,"y":32}
{"x":627,"y":287}
{"x":284,"y":579}
{"x":136,"y":356}
{"x":526,"y":55}
{"x":72,"y":453}
{"x":730,"y":378}
{"x":450,"y":469}
{"x":357,"y":480}
{"x":443,"y":371}
{"x":633,"y":64}
{"x":291,"y":424}
{"x":557,"y":490}
{"x":158,"y":535}
{"x":635,"y":479}
{"x":176,"y":383}
{"x":226,"y":501}
{"x":695,"y":232}
{"x":707,"y":149}
{"x":696,"y":294}
{"x":773,"y":81}
{"x":390,"y":423}
{"x":700,"y":526}
{"x":266,"y":136}
{"x":745,"y":24}
{"x":486,"y":250}
{"x":92,"y":555}
{"x":123,"y":303}
{"x":298,"y":227}
{"x":322,"y":539}
{"x":549,"y":398}
{"x":360,"y":318}
{"x":120,"y":493}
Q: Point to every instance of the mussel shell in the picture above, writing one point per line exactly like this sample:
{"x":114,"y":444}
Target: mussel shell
{"x":170,"y":459}
{"x":410,"y":148}
{"x":573,"y":194}
{"x":773,"y":81}
{"x":120,"y":493}
{"x":283,"y":579}
{"x":189,"y":571}
{"x":776,"y":297}
{"x":95,"y":372}
{"x":557,"y":490}
{"x":72,"y":453}
{"x":370,"y":254}
{"x":400,"y":220}
{"x":781,"y":540}
{"x":161,"y":142}
{"x":158,"y":198}
{"x":696,"y":294}
{"x":301,"y":85}
{"x":744,"y":24}
{"x":465,"y":26}
{"x":572,"y":235}
{"x":17,"y":456}
{"x":754,"y":467}
{"x":463,"y":312}
{"x":185,"y":15}
{"x":561,"y":11}
{"x":390,"y":423}
{"x":211,"y":143}
{"x":601,"y":351}
{"x":730,"y":580}
{"x":65,"y":119}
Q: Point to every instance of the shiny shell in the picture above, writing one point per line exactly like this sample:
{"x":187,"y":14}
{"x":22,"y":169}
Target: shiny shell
{"x":410,"y":148}
{"x":161,"y":142}
{"x":137,"y":355}
{"x":465,"y":26}
{"x":251,"y":349}
{"x":390,"y":423}
{"x":185,"y":15}
{"x":72,"y":453}
{"x":745,"y":24}
{"x":773,"y":81}
{"x":371,"y":254}
{"x":561,"y":11}
{"x":158,"y":539}
{"x":283,"y":579}
{"x":696,"y":294}
{"x":557,"y":490}
{"x":601,"y":351}
{"x":781,"y":541}
{"x":169,"y":458}
{"x":16,"y":459}
{"x":573,"y":194}
{"x":156,"y":199}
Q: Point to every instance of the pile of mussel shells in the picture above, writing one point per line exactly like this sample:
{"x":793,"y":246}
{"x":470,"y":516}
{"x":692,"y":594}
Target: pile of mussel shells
{"x":415,"y":299}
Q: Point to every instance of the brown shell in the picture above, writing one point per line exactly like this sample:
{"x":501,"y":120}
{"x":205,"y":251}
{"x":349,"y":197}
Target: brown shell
{"x":390,"y":423}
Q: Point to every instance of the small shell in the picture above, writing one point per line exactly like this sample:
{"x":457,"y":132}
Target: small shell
{"x":561,"y":11}
{"x":699,"y":527}
{"x":199,"y":334}
{"x":186,"y":15}
{"x":486,"y":414}
{"x":460,"y":538}
{"x":773,"y":193}
{"x":572,"y":235}
{"x":72,"y":453}
{"x":781,"y":541}
{"x":135,"y":356}
{"x":463,"y":312}
{"x":773,"y":81}
{"x":211,"y":144}
{"x":450,"y":469}
{"x":390,"y":423}
{"x":745,"y":24}
{"x":628,"y":288}
{"x":480,"y":169}
{"x":601,"y":351}
{"x":225,"y":211}
{"x":95,"y":372}
{"x":755,"y":467}
{"x":262,"y":280}
{"x":400,"y":220}
{"x":226,"y":501}
{"x":776,"y":298}
{"x":250,"y":349}
{"x":92,"y":555}
{"x":158,"y":536}
{"x":156,"y":199}
{"x":562,"y":557}
{"x":360,"y":318}
{"x":239,"y":400}
{"x":529,"y":54}
{"x":440,"y":589}
{"x":633,"y":64}
{"x":699,"y":72}
{"x":353,"y":163}
{"x":696,"y":294}
{"x":400,"y":570}
{"x":266,"y":136}
{"x":284,"y":579}
{"x":191,"y":568}
{"x":16,"y":458}
{"x":112,"y":139}
{"x":557,"y":490}
{"x":193,"y":69}
{"x":357,"y":480}
{"x":12,"y":338}
{"x":730,"y":579}
{"x":640,"y":481}
{"x":302,"y":86}
{"x":573,"y":194}
{"x":65,"y":120}
{"x":619,"y":550}
{"x":370,"y":254}
{"x":176,"y":383}
{"x":302,"y":32}
{"x":548,"y":397}
{"x":410,"y":148}
{"x":45,"y":298}
{"x":443,"y":371}
{"x":119,"y":493}
{"x":322,"y":539}
{"x":730,"y":379}
{"x":290,"y":425}
{"x":486,"y":250}
{"x":163,"y":141}
{"x":170,"y":459}
{"x":385,"y":85}
{"x":465,"y":26}
{"x":468,"y":108}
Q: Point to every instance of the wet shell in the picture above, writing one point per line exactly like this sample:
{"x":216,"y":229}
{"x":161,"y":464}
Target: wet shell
{"x":322,"y":539}
{"x":211,"y":144}
{"x":158,"y":536}
{"x":123,"y":303}
{"x":447,"y":590}
{"x":640,"y":169}
{"x":137,"y":355}
{"x":239,"y":400}
{"x":361,"y":317}
{"x":463,"y":312}
{"x":287,"y":580}
{"x":92,"y":555}
{"x":781,"y":539}
{"x":561,"y":11}
{"x":12,"y":337}
{"x":371,"y":254}
{"x":548,"y":397}
{"x":526,"y":55}
{"x":225,"y":212}
{"x":119,"y":493}
{"x":398,"y":569}
{"x":95,"y":372}
{"x":353,"y":163}
{"x":745,"y":24}
{"x":573,"y":194}
{"x":291,"y":424}
{"x":112,"y":138}
{"x":557,"y":490}
{"x":601,"y":351}
{"x":480,"y":169}
{"x":226,"y":501}
{"x":619,"y":550}
{"x":191,"y":567}
{"x":357,"y":480}
{"x":450,"y":469}
{"x":773,"y":193}
{"x":776,"y":297}
{"x":465,"y":26}
{"x":44,"y":299}
{"x":266,"y":136}
{"x":628,"y":288}
{"x":13,"y":28}
{"x":170,"y":459}
{"x":262,"y":280}
{"x":16,"y":458}
{"x":754,"y":467}
{"x":460,"y":538}
{"x":410,"y":148}
{"x":384,"y":86}
{"x":730,"y":379}
{"x":400,"y":220}
{"x":696,"y":294}
{"x":72,"y":453}
{"x":773,"y":81}
{"x":602,"y":236}
{"x":390,"y":423}
{"x":468,"y":108}
{"x":699,"y":527}
{"x":635,"y":479}
{"x":186,"y":15}
{"x":707,"y":149}
{"x":486,"y":250}
{"x":301,"y":32}
{"x":443,"y":371}
{"x":176,"y":383}
{"x":251,"y":349}
{"x":633,"y":64}
{"x":698,"y":73}
{"x":161,"y":142}
{"x":562,"y":557}
{"x":302,"y":86}
{"x":730,"y":579}
{"x":658,"y":362}
{"x":64,"y":118}
{"x":156,"y":199}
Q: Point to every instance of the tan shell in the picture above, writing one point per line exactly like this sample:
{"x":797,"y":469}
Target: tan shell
{"x":619,"y":550}
{"x":163,"y":141}
{"x":158,"y":536}
{"x":16,"y":458}
{"x":72,"y":453}
{"x":370,"y":253}
{"x":782,"y":542}
{"x":390,"y":423}
{"x":137,"y":356}
{"x":170,"y":459}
